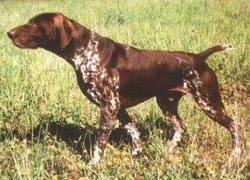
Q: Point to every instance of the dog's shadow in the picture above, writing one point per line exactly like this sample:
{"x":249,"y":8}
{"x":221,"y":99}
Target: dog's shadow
{"x":79,"y":138}
{"x":83,"y":139}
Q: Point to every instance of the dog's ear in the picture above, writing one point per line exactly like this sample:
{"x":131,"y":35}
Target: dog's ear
{"x":64,"y":29}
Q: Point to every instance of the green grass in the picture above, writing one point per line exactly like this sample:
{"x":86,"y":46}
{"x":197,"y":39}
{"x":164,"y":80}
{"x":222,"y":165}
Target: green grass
{"x":44,"y":118}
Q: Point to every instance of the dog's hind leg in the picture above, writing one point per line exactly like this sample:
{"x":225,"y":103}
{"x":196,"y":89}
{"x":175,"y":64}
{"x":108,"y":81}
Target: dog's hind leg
{"x":131,"y":129}
{"x":168,"y":102}
{"x":204,"y":88}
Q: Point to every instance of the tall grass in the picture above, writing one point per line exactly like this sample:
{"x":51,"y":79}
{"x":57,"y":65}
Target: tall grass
{"x":44,"y":118}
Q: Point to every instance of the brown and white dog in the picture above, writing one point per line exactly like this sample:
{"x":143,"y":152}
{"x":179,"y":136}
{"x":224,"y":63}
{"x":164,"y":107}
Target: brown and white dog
{"x":116,"y":76}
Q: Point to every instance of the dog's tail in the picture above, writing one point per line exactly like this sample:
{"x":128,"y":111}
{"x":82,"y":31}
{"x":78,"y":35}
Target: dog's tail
{"x":214,"y":49}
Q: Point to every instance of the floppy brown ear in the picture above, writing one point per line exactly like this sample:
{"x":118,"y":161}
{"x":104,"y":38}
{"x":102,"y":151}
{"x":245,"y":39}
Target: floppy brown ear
{"x":64,"y":29}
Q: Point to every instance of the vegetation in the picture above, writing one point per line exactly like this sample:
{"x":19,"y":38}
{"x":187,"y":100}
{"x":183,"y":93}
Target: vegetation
{"x":47,"y":125}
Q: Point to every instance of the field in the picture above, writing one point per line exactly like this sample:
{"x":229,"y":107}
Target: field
{"x":47,"y":126}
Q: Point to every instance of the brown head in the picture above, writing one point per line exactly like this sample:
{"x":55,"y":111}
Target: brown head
{"x":52,"y":31}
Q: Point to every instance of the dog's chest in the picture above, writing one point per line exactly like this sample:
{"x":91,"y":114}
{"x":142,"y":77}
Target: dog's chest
{"x":96,"y":83}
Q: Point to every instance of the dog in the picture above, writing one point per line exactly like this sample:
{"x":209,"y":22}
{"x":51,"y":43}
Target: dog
{"x":115,"y":76}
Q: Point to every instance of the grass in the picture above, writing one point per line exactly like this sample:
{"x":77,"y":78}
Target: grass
{"x":47,"y":125}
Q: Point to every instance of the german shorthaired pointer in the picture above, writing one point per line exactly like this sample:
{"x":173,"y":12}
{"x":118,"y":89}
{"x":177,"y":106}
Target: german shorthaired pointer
{"x":116,"y":76}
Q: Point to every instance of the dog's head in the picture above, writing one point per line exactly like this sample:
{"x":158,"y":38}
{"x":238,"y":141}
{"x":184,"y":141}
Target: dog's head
{"x":47,"y":30}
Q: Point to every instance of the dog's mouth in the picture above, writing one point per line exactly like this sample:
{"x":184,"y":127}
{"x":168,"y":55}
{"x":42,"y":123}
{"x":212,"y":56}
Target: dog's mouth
{"x":17,"y":44}
{"x":22,"y":46}
{"x":22,"y":43}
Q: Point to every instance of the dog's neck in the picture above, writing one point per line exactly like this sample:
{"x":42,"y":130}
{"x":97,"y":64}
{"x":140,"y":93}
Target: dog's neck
{"x":92,"y":48}
{"x":86,"y":54}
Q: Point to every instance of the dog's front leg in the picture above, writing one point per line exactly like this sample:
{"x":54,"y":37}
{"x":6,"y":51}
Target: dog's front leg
{"x":107,"y":121}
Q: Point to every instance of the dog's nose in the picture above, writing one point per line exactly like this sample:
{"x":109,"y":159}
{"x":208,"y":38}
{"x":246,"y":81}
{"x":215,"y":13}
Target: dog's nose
{"x":10,"y":34}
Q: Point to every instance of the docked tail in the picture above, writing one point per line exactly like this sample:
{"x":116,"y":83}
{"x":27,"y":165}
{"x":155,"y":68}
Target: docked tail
{"x":214,"y":49}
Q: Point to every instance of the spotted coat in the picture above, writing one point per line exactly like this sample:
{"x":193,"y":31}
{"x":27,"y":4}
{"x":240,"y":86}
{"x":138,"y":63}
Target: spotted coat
{"x":96,"y":83}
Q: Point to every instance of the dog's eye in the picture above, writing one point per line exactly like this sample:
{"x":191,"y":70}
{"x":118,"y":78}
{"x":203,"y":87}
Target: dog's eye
{"x":32,"y":22}
{"x":38,"y":23}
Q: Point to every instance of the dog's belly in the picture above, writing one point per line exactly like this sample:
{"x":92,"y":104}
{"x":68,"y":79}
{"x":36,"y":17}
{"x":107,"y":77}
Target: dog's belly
{"x":127,"y":102}
{"x":135,"y":93}
{"x":136,"y":88}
